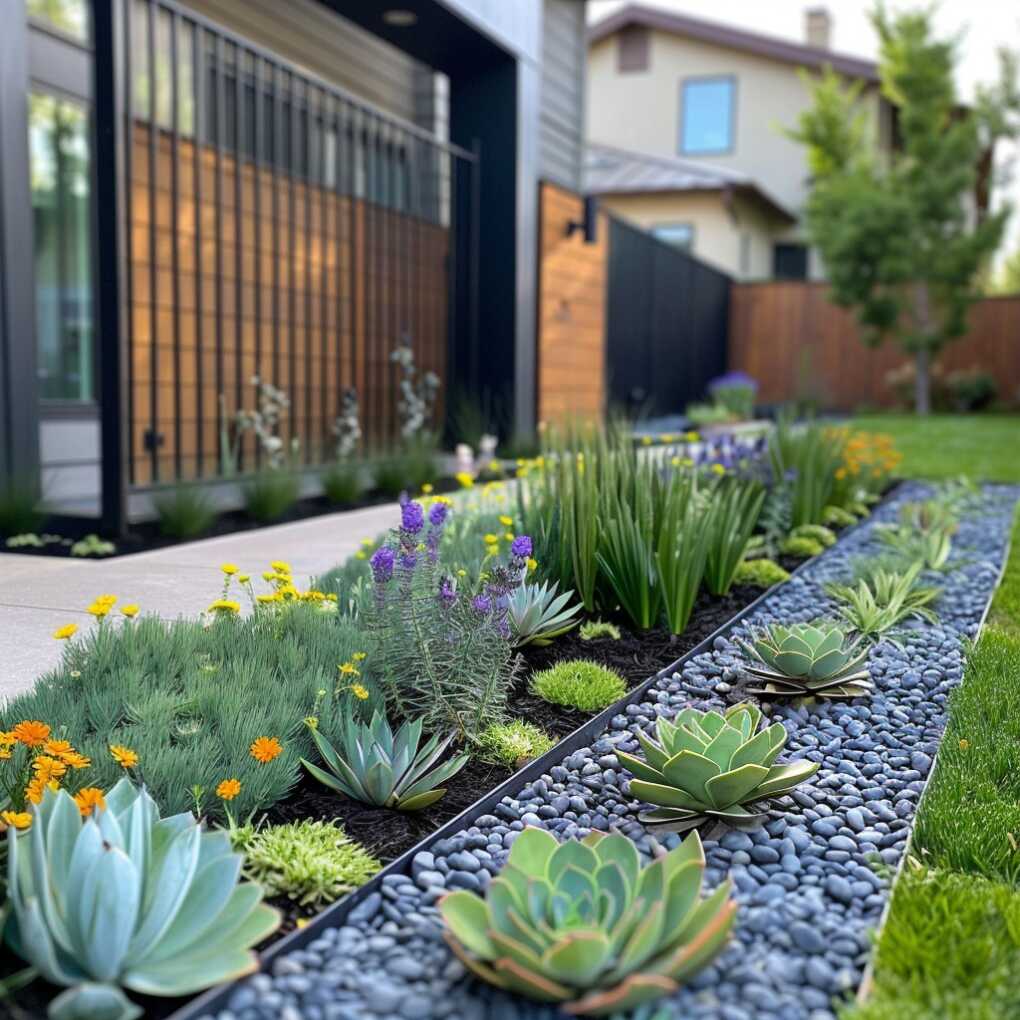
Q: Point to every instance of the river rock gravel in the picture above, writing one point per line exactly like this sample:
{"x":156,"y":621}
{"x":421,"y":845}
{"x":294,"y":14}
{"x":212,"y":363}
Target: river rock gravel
{"x":811,"y":883}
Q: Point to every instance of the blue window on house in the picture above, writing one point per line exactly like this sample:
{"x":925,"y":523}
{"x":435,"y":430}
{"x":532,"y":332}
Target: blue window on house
{"x":680,"y":235}
{"x":706,"y":116}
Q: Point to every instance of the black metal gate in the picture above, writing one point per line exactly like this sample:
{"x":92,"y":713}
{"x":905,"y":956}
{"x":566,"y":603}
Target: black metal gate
{"x":668,"y":320}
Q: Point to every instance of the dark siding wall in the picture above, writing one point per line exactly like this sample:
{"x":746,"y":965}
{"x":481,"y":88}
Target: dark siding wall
{"x":562,"y":116}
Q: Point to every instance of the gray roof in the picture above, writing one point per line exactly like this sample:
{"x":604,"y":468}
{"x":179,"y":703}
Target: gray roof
{"x":612,"y":171}
{"x":733,"y":38}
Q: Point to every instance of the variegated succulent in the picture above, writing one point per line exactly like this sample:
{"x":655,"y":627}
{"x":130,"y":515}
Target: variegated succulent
{"x":711,"y":766}
{"x":808,"y":660}
{"x":583,"y":924}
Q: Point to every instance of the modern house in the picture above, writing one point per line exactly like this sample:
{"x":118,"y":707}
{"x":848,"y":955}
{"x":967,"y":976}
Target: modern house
{"x":707,"y":165}
{"x":197,"y":192}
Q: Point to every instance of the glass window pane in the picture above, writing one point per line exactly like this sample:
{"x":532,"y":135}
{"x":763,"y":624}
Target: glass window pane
{"x":681,"y":235}
{"x":68,"y":16}
{"x":61,"y":214}
{"x":707,"y":117}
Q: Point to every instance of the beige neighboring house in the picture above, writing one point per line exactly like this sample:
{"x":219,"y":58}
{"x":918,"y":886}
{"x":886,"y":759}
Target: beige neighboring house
{"x":685,"y":121}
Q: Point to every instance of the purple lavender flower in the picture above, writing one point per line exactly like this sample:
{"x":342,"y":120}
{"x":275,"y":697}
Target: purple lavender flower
{"x":447,"y":593}
{"x":382,"y":562}
{"x":438,"y":514}
{"x":412,"y":517}
{"x":482,"y":605}
{"x":521,"y":547}
{"x":408,"y":560}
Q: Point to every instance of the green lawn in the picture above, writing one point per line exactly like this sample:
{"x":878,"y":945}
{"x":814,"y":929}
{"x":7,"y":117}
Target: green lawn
{"x":950,"y":948}
{"x":985,"y":447}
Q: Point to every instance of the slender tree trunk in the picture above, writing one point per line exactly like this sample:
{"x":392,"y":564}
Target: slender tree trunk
{"x":922,"y":382}
{"x":923,"y":323}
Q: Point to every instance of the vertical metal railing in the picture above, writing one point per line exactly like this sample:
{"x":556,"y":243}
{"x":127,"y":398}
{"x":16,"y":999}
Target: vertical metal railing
{"x":276,"y":226}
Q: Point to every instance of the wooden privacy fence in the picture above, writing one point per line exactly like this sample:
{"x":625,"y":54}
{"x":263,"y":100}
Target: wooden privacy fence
{"x":571,"y":347}
{"x":797,"y":344}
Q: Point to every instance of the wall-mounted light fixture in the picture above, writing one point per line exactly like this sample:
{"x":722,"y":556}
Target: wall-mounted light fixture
{"x":590,"y":223}
{"x":399,"y":17}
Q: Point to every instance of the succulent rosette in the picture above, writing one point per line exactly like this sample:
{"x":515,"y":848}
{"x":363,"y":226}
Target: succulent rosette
{"x":584,"y":925}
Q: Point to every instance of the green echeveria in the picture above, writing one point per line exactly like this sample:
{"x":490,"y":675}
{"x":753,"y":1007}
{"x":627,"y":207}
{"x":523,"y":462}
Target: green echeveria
{"x":537,"y":615}
{"x":377,"y":766}
{"x":582,"y":924}
{"x":708,"y":765}
{"x":808,"y":660}
{"x":125,"y":899}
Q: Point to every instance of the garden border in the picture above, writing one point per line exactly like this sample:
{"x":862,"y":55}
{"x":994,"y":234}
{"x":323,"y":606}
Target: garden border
{"x":866,"y":986}
{"x":214,"y":999}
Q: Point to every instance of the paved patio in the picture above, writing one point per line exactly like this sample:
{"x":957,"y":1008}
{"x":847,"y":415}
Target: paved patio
{"x":39,"y":594}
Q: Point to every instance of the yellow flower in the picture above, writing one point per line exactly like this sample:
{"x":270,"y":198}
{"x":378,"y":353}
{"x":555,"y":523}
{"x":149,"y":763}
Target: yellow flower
{"x":228,"y":568}
{"x":7,"y":738}
{"x":964,"y":744}
{"x":462,"y":572}
{"x":509,"y":536}
{"x":532,"y":564}
{"x":123,"y":756}
{"x":667,"y":437}
{"x":243,"y":578}
{"x":348,"y":669}
{"x":228,"y":789}
{"x":65,"y":632}
{"x":718,"y":469}
{"x":359,"y":656}
{"x":426,"y":489}
{"x":130,"y":611}
{"x":361,"y":555}
{"x":108,"y":600}
{"x":359,"y":692}
{"x":368,"y":542}
{"x":99,"y":609}
{"x":691,"y":437}
{"x":269,"y":575}
{"x":265,"y":749}
{"x":31,"y":733}
{"x":490,"y":539}
{"x":646,"y":440}
{"x":465,"y":480}
{"x":505,"y":520}
{"x":841,"y":473}
{"x":280,"y":566}
{"x":225,"y":606}
{"x":16,"y":819}
{"x":264,"y":599}
{"x":34,"y":790}
{"x":89,"y":799}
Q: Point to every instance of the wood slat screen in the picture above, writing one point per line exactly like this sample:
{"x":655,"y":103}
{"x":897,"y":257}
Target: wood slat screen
{"x":572,"y":281}
{"x":797,"y":344}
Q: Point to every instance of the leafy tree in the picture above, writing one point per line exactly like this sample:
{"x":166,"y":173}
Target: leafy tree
{"x":1007,"y":279}
{"x":901,"y":238}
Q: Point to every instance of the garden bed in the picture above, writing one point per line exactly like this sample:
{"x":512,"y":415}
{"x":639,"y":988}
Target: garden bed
{"x":811,"y":884}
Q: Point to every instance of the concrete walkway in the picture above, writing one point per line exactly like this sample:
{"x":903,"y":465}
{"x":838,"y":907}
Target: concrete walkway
{"x":38,"y":594}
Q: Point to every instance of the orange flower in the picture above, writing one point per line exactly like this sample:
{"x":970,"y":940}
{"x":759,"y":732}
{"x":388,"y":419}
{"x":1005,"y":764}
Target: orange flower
{"x":16,"y":819}
{"x":76,"y":760}
{"x":123,"y":756}
{"x":58,"y":748}
{"x":47,"y":768}
{"x":35,"y":789}
{"x":89,"y":799}
{"x":265,"y":749}
{"x":31,"y":732}
{"x":228,"y":789}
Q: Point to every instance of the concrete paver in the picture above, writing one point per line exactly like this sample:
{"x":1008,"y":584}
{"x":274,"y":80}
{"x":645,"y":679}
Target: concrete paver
{"x":39,"y":594}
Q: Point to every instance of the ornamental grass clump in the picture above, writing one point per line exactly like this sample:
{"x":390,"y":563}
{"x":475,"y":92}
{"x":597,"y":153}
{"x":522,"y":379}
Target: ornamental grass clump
{"x":442,"y":646}
{"x":513,"y":744}
{"x":185,"y":511}
{"x":374,"y":765}
{"x":582,"y":924}
{"x":309,"y":861}
{"x":117,"y":898}
{"x":732,"y":514}
{"x":579,"y":683}
{"x":711,"y":766}
{"x":808,"y":660}
{"x":879,"y":603}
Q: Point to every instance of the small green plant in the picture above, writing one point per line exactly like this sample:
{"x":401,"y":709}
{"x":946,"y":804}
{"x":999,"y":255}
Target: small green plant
{"x":818,"y":532}
{"x":185,"y":511}
{"x":808,"y":660}
{"x":580,"y":684}
{"x":710,"y":766}
{"x":269,"y":494}
{"x":932,"y":548}
{"x":513,"y":744}
{"x":805,"y":458}
{"x":731,"y":517}
{"x":309,"y":861}
{"x":407,"y":468}
{"x":163,"y":892}
{"x":341,"y":483}
{"x":838,"y":517}
{"x":374,"y":765}
{"x":582,"y":923}
{"x":597,"y":630}
{"x":19,"y":513}
{"x":760,"y":573}
{"x":801,"y":548}
{"x":537,"y":615}
{"x":93,"y":545}
{"x":872,"y":607}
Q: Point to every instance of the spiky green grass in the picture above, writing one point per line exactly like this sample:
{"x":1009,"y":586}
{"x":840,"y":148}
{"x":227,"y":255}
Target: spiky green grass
{"x":579,"y":683}
{"x":513,"y":744}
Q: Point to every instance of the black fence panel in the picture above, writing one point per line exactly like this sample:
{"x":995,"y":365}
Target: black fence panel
{"x":667,"y":323}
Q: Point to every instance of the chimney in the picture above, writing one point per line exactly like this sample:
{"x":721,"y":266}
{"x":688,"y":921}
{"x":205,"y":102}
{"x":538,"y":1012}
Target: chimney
{"x":818,"y":27}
